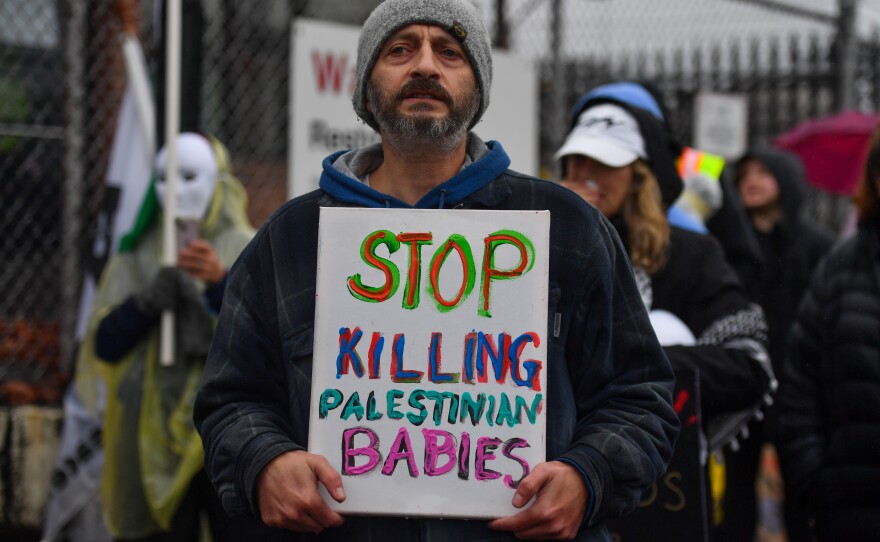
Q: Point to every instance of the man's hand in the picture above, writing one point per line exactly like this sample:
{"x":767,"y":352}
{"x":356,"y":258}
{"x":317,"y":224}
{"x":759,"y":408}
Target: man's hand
{"x":200,"y":260}
{"x":561,"y":498}
{"x":287,"y":492}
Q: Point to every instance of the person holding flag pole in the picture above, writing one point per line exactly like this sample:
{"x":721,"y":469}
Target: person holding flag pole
{"x":73,"y":509}
{"x":150,"y":327}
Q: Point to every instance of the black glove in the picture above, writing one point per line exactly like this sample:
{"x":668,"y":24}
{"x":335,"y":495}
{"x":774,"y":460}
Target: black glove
{"x":164,"y":292}
{"x":173,"y":290}
{"x":161,"y":293}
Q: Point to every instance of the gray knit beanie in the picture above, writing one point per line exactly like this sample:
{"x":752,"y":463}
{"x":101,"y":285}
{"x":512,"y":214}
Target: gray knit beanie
{"x":458,"y":17}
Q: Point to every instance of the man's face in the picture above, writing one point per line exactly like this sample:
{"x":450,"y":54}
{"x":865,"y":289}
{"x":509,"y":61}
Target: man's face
{"x":422,"y":88}
{"x":757,"y":185}
{"x":604,"y":187}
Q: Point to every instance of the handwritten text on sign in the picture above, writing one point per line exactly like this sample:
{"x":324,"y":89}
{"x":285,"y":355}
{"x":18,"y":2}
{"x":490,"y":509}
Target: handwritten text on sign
{"x":428,"y":380}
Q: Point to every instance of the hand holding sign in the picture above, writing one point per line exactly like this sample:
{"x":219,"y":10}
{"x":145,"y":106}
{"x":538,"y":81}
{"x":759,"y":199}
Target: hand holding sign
{"x":287,"y":492}
{"x":560,"y":504}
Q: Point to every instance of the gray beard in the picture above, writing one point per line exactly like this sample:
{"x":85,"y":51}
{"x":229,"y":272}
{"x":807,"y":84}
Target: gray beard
{"x":422,"y":132}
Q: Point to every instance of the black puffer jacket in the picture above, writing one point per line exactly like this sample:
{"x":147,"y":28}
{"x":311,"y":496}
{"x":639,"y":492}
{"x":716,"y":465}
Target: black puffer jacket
{"x":829,"y":433}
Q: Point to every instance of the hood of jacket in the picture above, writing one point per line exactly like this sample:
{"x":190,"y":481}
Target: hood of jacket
{"x":789,"y":172}
{"x":341,"y":171}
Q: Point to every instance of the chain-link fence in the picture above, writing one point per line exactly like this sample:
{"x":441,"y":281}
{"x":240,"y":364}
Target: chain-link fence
{"x":63,"y":76}
{"x":32,"y":179}
{"x":61,"y":83}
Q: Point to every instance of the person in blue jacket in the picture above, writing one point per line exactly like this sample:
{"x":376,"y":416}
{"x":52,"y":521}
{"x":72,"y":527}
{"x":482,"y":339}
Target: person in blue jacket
{"x":424,"y":70}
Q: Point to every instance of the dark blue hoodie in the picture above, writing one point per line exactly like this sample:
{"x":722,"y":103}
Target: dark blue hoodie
{"x":342,"y":170}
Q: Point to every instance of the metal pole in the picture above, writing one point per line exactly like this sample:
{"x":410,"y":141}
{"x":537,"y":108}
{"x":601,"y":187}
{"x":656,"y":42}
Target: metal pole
{"x":501,"y":32}
{"x":74,"y":178}
{"x":847,"y":49}
{"x":558,"y":108}
{"x":172,"y":124}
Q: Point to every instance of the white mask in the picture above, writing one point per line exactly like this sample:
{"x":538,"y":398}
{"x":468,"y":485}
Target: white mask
{"x":196,"y":175}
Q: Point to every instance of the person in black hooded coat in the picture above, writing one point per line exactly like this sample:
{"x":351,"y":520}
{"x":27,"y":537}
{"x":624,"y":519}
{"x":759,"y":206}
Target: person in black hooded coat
{"x":771,"y":186}
{"x":770,"y":183}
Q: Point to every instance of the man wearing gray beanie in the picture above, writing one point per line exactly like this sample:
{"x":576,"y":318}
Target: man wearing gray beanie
{"x":424,"y":71}
{"x":459,"y":19}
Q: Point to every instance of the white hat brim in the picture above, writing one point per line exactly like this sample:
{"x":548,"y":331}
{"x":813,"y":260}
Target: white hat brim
{"x":597,"y":148}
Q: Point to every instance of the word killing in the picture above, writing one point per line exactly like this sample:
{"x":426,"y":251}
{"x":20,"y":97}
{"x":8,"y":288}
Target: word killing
{"x":481,"y":350}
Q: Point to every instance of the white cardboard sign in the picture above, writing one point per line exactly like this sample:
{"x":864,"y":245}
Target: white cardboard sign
{"x":428,"y":379}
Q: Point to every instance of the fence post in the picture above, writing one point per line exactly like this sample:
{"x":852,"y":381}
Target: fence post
{"x":558,"y":104}
{"x":74,"y":179}
{"x":873,"y":74}
{"x":814,"y":67}
{"x":846,"y":43}
{"x":793,"y":85}
{"x":501,"y":31}
{"x":774,"y":86}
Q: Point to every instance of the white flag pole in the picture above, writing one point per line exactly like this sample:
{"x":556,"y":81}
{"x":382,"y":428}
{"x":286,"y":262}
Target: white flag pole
{"x":172,"y":126}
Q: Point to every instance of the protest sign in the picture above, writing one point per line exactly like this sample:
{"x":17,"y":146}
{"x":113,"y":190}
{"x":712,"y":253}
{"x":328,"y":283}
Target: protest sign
{"x":428,"y":377}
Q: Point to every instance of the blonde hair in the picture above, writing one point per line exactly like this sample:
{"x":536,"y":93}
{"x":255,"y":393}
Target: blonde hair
{"x":647,"y":226}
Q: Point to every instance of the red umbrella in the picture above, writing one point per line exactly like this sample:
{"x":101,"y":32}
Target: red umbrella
{"x":832,"y":148}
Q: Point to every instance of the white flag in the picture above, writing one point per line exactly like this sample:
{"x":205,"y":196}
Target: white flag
{"x":76,"y":477}
{"x":128,"y":174}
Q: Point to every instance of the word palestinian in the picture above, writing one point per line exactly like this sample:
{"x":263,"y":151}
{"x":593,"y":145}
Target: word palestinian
{"x":459,"y":408}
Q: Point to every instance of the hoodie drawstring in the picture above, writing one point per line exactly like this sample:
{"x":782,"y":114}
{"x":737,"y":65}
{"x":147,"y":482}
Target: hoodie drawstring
{"x":442,"y":198}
